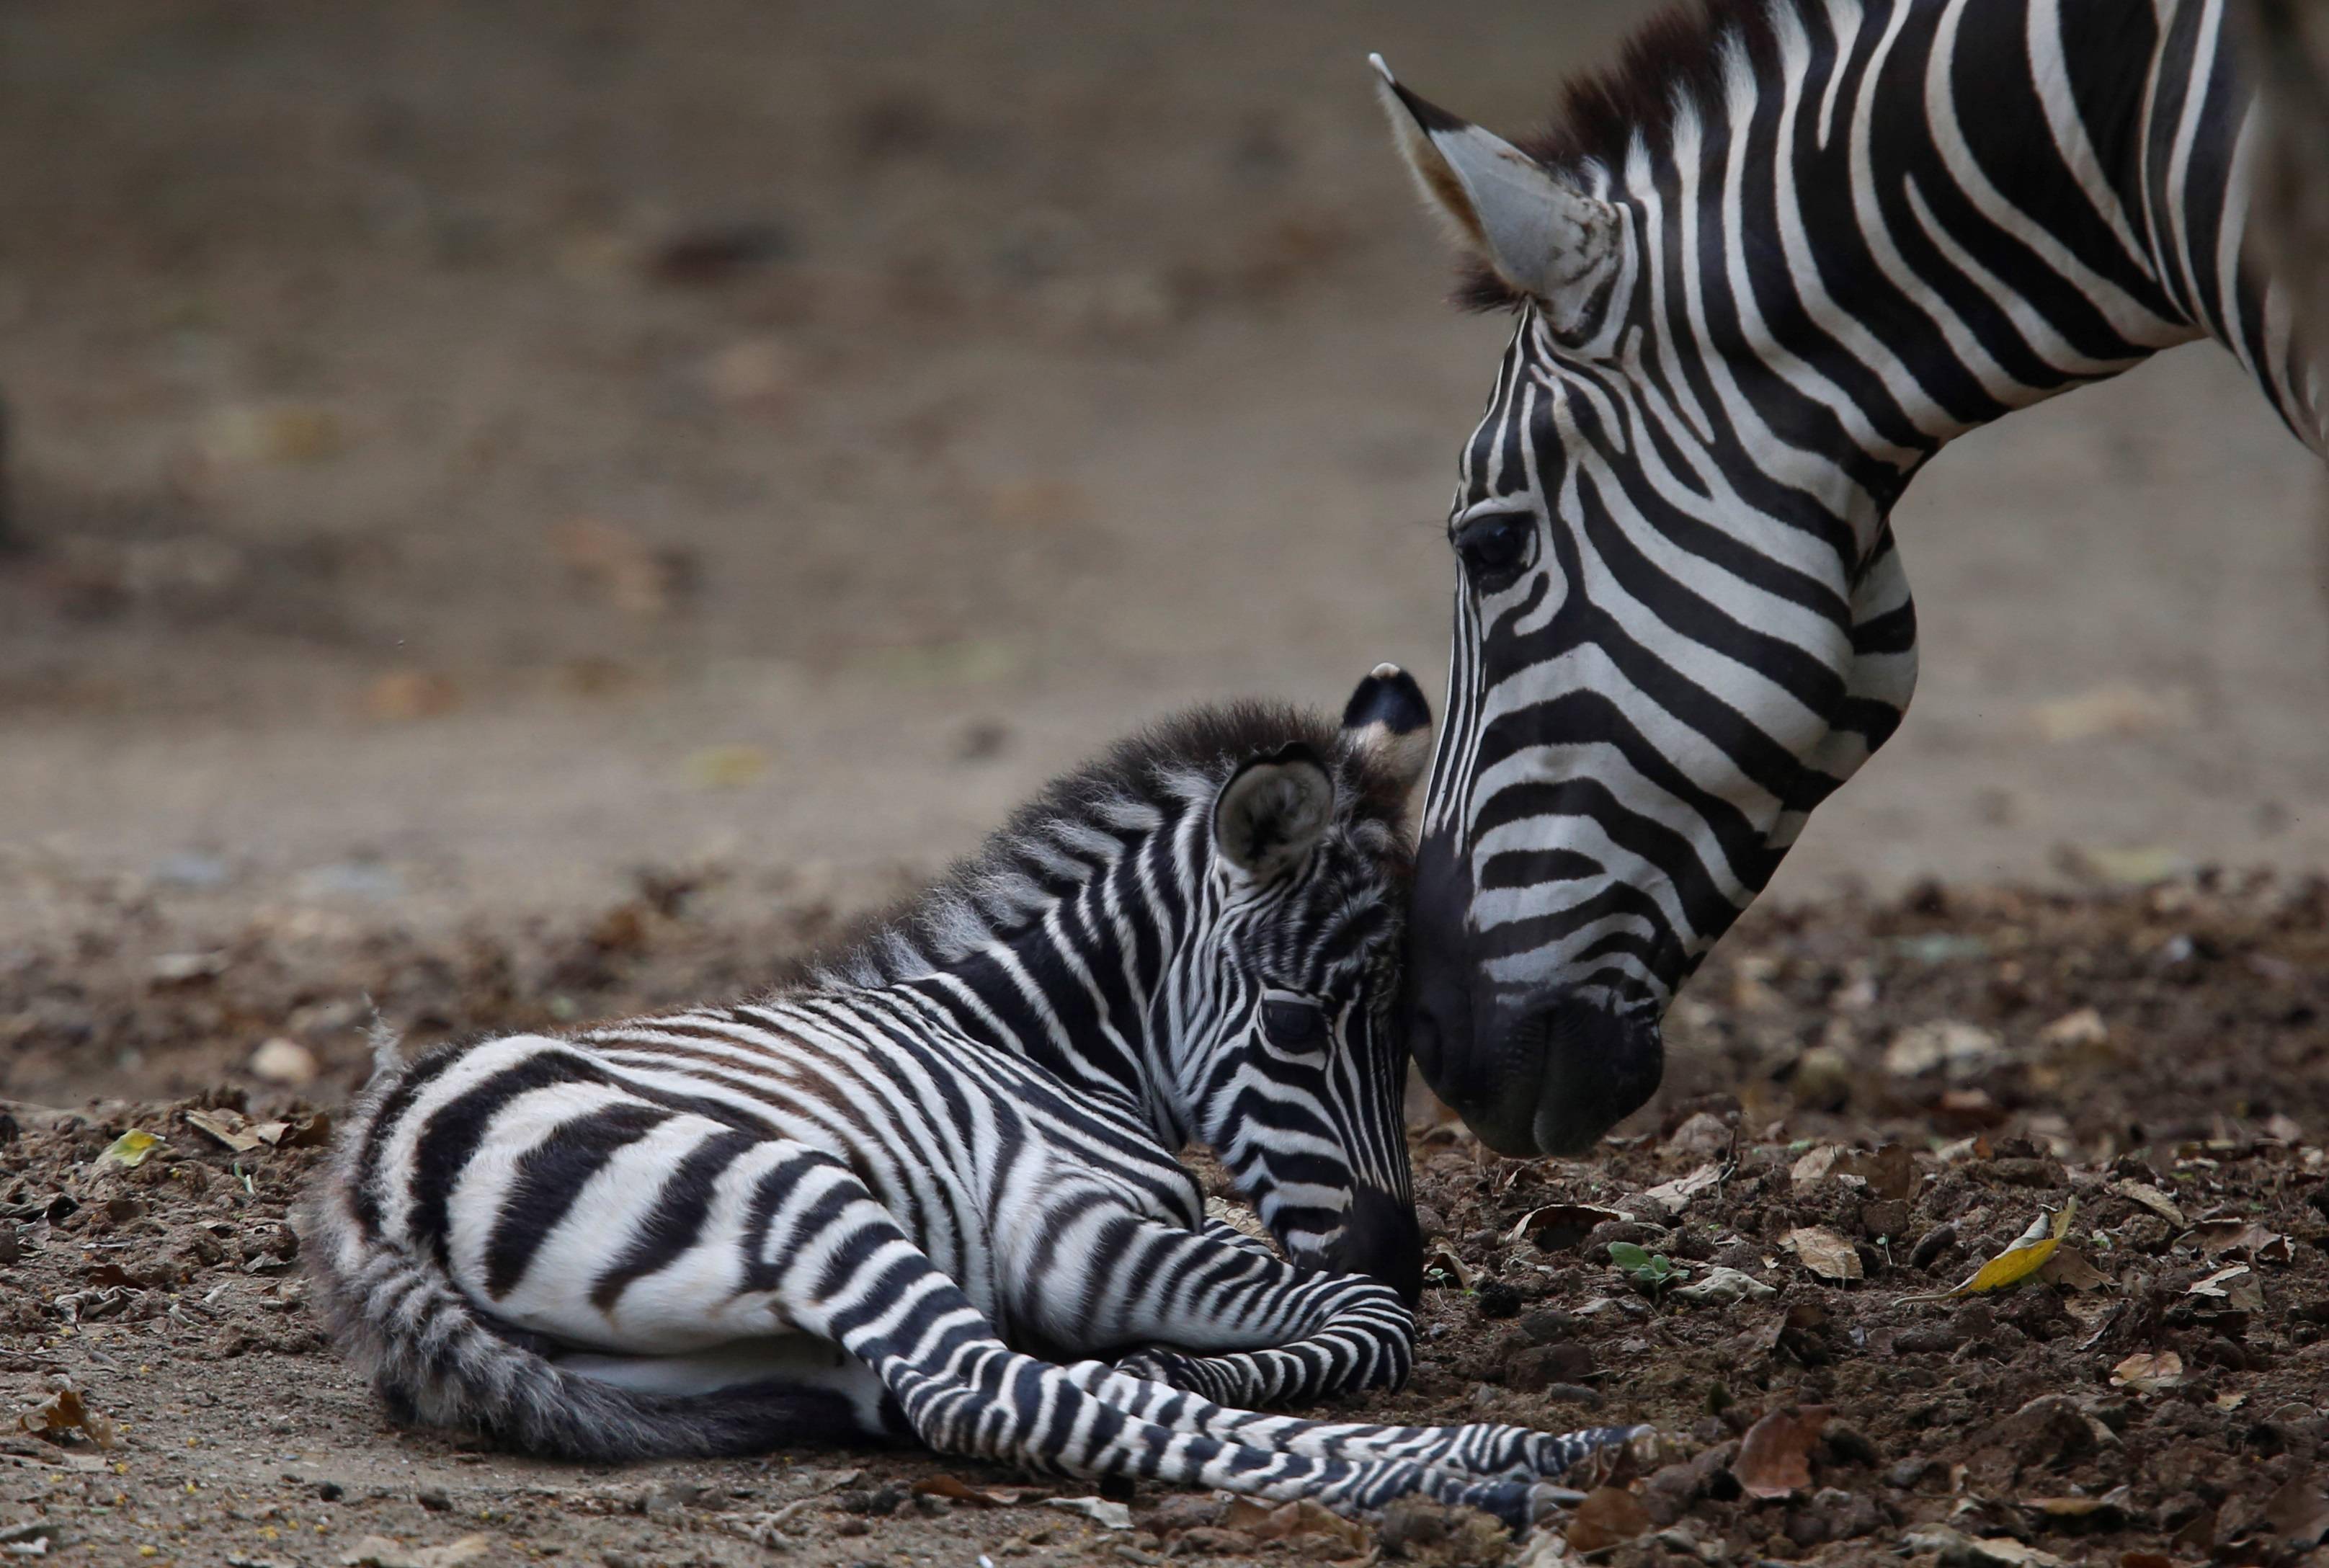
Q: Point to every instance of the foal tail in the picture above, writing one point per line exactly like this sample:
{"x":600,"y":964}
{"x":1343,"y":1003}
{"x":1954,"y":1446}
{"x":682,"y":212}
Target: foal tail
{"x":435,"y":1357}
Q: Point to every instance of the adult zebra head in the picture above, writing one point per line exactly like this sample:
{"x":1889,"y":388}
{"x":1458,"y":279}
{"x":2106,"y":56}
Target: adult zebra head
{"x":1762,"y":271}
{"x":1664,"y":659}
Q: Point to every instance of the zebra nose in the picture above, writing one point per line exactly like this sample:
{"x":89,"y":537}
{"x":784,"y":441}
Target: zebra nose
{"x":1596,"y":1067}
{"x":1382,"y":1238}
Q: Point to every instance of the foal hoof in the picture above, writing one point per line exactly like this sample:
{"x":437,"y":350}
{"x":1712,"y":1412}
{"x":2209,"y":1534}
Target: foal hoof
{"x":1564,"y":1454}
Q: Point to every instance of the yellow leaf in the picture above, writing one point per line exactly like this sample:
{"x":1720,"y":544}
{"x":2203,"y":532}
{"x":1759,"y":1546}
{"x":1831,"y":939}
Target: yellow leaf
{"x":2028,"y":1254}
{"x":131,"y":1149}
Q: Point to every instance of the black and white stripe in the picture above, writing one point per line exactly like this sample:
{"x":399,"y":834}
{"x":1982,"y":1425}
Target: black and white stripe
{"x":892,"y":1200}
{"x":1764,"y":272}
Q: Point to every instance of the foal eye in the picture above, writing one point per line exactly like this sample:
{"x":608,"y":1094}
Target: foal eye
{"x":1293,"y":1025}
{"x":1495,"y":546}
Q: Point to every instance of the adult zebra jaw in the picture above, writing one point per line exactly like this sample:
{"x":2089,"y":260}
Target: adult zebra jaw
{"x":1543,"y":238}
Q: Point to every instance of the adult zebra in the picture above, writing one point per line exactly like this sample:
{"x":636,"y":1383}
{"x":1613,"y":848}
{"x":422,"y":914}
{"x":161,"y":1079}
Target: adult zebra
{"x":1763,"y":270}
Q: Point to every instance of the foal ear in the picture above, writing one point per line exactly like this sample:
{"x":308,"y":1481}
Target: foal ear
{"x":1388,"y":724}
{"x":1272,"y":810}
{"x":1544,"y":239}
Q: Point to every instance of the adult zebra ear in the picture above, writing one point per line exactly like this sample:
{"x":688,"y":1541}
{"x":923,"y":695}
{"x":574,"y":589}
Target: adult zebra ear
{"x":1388,"y":725}
{"x":1552,"y":244}
{"x":1273,"y":808}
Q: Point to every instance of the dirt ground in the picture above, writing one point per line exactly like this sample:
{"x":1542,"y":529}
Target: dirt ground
{"x":457,"y":456}
{"x":2158,"y":1057}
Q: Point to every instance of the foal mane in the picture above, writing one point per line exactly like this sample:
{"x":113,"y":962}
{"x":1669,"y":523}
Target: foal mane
{"x":1671,"y":64}
{"x":1018,"y":873}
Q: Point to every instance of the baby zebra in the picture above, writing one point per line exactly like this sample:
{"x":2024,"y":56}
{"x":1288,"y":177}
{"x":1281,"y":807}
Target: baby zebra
{"x":933,"y":1190}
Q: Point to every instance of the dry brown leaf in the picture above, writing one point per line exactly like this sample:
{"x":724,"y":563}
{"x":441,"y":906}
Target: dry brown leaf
{"x":2236,"y":1287}
{"x":1102,"y":1511}
{"x":312,"y":1130}
{"x":1825,"y":1253}
{"x":961,"y":1491}
{"x":2151,"y":1198}
{"x":2069,"y":1508}
{"x":2146,"y":1373}
{"x":2241,"y":1235}
{"x":2299,"y":1513}
{"x":2069,"y":1267}
{"x":64,"y":1413}
{"x":1556,"y":1227}
{"x":1774,"y":1456}
{"x":1815,"y":1165}
{"x":1442,"y":1257}
{"x":1608,"y":1515}
{"x":1703,"y":1133}
{"x":1891,"y":1172}
{"x":1295,"y":1520}
{"x":1673,"y":1196}
{"x":226,"y":1127}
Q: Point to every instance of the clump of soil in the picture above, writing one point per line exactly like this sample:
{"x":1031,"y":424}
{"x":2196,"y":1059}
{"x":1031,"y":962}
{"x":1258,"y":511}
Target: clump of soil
{"x":1866,"y":1104}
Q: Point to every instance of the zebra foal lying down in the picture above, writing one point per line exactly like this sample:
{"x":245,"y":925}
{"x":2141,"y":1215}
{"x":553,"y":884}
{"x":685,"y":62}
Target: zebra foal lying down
{"x":932,"y":1192}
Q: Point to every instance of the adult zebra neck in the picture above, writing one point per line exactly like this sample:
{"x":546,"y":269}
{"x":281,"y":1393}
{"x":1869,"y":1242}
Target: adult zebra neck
{"x":1762,"y":274}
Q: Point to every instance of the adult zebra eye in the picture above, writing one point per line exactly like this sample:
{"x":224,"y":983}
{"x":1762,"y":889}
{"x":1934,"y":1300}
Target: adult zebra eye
{"x":1495,"y":547}
{"x":1295,"y":1025}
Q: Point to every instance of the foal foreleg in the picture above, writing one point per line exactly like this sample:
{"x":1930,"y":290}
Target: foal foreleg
{"x":1479,"y":1448}
{"x":1303,"y":1336}
{"x":1224,"y":1319}
{"x":859,"y":1280}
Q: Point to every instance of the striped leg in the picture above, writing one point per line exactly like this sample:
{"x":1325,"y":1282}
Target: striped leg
{"x":1480,"y":1448}
{"x":1310,"y":1336}
{"x":1271,"y":1334}
{"x":1229,"y":1235}
{"x":861,"y":1281}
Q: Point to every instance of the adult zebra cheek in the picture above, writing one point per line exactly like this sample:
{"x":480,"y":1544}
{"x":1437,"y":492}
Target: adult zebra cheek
{"x":1531,"y":1070}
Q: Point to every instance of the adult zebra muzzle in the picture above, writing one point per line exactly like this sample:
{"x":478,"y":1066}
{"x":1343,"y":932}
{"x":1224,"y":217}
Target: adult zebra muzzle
{"x":1592,"y":1067}
{"x":1531,"y":1070}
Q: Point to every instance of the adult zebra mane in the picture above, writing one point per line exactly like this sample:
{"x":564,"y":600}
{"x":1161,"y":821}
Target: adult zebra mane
{"x":1043,"y":851}
{"x":1671,"y":63}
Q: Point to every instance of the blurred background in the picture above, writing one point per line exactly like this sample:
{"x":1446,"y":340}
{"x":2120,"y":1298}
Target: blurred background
{"x":460,"y":453}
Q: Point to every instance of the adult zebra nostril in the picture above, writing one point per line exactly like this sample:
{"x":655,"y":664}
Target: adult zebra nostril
{"x":1598,"y":1067}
